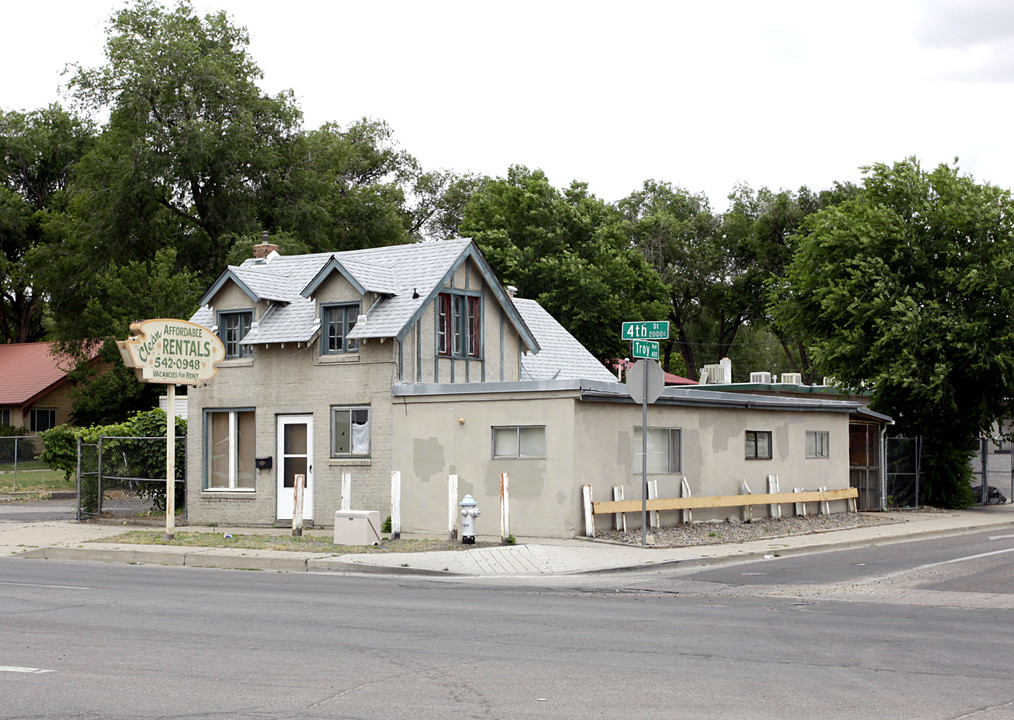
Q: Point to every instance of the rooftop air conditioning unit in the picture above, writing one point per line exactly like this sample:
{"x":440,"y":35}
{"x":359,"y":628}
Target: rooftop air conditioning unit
{"x":760,"y":377}
{"x":716,"y":375}
{"x":792,"y":379}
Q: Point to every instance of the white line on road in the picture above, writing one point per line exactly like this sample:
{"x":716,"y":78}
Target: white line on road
{"x":56,"y":587}
{"x":1000,"y":537}
{"x":962,"y":559}
{"x":14,"y":669}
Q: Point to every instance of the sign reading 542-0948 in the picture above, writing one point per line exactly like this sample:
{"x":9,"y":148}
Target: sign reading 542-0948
{"x":646,"y":330}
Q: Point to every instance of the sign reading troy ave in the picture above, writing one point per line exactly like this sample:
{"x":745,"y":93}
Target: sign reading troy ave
{"x":172,"y":352}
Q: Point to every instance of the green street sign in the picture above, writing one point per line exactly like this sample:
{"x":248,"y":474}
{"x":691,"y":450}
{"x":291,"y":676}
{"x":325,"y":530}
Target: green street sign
{"x":651,"y":330}
{"x":644,"y":349}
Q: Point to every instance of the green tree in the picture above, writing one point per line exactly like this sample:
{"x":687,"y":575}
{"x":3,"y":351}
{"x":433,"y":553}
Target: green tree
{"x":568,"y":250}
{"x":189,"y":140}
{"x":38,"y":154}
{"x":907,"y":288}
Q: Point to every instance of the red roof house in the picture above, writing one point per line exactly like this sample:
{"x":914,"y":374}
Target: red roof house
{"x":34,"y":387}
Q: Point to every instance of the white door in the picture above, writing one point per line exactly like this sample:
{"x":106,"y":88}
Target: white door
{"x":295,"y":457}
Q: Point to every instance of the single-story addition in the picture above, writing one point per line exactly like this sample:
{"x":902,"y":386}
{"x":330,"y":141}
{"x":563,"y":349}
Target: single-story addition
{"x":415,"y":359}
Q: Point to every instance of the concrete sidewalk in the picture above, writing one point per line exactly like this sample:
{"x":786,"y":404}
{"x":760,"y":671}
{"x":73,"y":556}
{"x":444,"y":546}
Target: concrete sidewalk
{"x":70,"y":540}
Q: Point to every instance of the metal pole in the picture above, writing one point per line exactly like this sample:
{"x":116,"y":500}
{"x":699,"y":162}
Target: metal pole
{"x":170,"y":460}
{"x":15,"y":463}
{"x":644,"y":460}
{"x":79,"y":478}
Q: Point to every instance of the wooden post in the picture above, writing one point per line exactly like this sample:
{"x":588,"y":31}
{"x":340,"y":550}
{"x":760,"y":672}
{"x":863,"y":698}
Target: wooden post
{"x":170,"y":461}
{"x":653,"y":495}
{"x":800,"y":506}
{"x":346,"y":490}
{"x":297,"y":505}
{"x":621,"y":518}
{"x":505,"y":508}
{"x":688,"y":514}
{"x":775,"y":509}
{"x":747,"y":513}
{"x":395,"y":504}
{"x":825,"y":506}
{"x":589,"y":516}
{"x":452,"y":507}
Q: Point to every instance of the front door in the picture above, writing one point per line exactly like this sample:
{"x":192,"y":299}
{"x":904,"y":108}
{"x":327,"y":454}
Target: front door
{"x":295,"y":457}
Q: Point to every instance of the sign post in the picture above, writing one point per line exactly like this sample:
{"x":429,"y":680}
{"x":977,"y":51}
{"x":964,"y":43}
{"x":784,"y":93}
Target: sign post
{"x":171,"y":352}
{"x":645,"y":382}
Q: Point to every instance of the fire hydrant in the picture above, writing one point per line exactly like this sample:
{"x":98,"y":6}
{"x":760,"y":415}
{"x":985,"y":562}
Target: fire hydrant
{"x":469,"y":512}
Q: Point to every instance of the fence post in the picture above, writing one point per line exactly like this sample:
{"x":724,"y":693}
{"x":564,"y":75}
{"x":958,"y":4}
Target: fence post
{"x":653,"y":495}
{"x":589,"y":516}
{"x":621,"y":518}
{"x":775,"y":510}
{"x":688,"y":514}
{"x":395,"y":504}
{"x":346,"y":491}
{"x":98,"y":483}
{"x":15,"y":463}
{"x":505,"y":508}
{"x":747,"y":511}
{"x":452,"y":507}
{"x":79,"y":478}
{"x":297,"y":505}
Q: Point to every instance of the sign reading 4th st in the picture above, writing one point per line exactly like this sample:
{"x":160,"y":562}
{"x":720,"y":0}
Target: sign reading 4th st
{"x":650,"y":330}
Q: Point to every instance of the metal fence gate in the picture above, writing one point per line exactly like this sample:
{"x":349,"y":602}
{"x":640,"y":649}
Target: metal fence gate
{"x":126,"y":477}
{"x":991,"y":461}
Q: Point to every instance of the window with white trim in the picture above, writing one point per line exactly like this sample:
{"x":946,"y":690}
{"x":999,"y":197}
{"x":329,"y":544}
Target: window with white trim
{"x":233,"y":325}
{"x":664,"y":452}
{"x":818,"y":443}
{"x":519,"y":441}
{"x":350,"y":431}
{"x":336,"y":322}
{"x":459,"y":324}
{"x":758,"y":444}
{"x":229,"y":449}
{"x":41,"y":419}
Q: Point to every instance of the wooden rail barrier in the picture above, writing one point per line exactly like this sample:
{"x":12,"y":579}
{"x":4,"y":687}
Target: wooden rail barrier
{"x":692,"y":503}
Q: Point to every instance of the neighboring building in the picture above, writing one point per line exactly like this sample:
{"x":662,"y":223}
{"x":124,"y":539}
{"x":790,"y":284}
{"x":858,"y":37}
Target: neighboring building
{"x":35,"y":391}
{"x":414,"y":358}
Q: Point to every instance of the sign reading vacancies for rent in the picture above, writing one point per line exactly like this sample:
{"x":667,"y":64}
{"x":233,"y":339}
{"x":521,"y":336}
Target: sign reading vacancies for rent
{"x":644,"y":349}
{"x":649,"y":330}
{"x":172,"y":352}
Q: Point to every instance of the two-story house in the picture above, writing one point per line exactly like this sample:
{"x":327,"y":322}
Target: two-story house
{"x":415,"y":358}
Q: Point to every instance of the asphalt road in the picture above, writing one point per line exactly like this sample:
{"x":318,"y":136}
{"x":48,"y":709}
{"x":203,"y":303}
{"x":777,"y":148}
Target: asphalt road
{"x":912,"y":630}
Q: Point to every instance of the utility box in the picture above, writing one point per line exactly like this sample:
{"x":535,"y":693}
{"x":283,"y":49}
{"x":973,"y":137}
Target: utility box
{"x":357,"y":527}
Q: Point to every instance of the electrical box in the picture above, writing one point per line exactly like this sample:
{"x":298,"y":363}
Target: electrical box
{"x":357,"y":527}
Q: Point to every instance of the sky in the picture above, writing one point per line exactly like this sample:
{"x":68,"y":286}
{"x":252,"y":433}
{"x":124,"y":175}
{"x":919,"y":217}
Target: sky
{"x":705,"y":95}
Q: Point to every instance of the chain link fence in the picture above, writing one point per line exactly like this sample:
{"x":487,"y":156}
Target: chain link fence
{"x":991,"y":461}
{"x":19,"y":459}
{"x":126,"y":477}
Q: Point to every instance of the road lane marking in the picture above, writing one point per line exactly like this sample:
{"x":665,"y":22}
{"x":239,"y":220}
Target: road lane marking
{"x":15,"y":669}
{"x":1000,"y":537}
{"x":56,"y":587}
{"x":962,"y":559}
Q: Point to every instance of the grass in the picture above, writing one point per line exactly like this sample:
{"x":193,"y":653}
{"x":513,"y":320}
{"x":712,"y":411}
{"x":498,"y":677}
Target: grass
{"x":303,"y":543}
{"x":32,"y":477}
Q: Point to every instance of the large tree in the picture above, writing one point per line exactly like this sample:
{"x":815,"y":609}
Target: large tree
{"x":189,"y":139}
{"x":38,"y":153}
{"x":907,"y":289}
{"x":570,"y":251}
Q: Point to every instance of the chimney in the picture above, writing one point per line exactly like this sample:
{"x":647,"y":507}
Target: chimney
{"x":265,"y":248}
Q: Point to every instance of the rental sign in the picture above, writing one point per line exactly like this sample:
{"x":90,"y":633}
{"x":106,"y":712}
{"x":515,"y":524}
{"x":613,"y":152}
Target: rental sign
{"x":172,"y":352}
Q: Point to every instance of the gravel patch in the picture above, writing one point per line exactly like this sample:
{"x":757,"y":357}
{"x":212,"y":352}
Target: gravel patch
{"x":719,"y":532}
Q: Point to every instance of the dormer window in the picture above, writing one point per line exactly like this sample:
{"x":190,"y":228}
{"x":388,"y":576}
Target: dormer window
{"x":336,"y":321}
{"x":459,"y":325}
{"x":233,"y":326}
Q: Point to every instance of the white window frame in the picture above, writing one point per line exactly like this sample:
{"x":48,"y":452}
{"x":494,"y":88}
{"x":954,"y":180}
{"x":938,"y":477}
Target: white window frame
{"x":518,"y":449}
{"x":337,"y":410}
{"x":818,"y":444}
{"x":669,"y":438}
{"x":233,"y":450}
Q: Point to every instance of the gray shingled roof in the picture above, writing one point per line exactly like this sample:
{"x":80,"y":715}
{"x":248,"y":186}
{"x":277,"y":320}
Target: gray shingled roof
{"x":406,"y":277}
{"x":561,"y":356}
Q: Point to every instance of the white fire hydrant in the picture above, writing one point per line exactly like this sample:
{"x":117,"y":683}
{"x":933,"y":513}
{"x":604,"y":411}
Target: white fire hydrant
{"x":469,"y":512}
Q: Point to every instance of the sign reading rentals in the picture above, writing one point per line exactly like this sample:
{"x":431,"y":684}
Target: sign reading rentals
{"x":172,"y":352}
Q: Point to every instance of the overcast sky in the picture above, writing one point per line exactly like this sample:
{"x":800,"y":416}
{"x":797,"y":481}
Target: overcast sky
{"x":701,"y":94}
